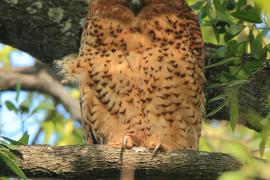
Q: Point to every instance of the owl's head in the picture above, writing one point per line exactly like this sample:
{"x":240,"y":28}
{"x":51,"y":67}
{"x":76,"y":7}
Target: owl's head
{"x":134,"y":5}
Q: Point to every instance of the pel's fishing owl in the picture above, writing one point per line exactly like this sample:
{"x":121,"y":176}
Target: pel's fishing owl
{"x":140,"y":68}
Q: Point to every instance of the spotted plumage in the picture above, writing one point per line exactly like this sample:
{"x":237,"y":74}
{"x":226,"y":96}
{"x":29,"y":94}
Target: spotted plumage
{"x":141,"y":74}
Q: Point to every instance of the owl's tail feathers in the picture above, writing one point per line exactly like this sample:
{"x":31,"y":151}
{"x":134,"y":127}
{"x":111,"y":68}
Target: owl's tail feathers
{"x":68,"y":69}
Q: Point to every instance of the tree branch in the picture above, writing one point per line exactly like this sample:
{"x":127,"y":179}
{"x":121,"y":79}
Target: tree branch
{"x":41,"y":81}
{"x":101,"y":162}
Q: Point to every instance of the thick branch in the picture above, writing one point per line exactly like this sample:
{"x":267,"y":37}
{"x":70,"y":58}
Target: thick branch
{"x":100,"y":162}
{"x":47,"y":30}
{"x":39,"y":81}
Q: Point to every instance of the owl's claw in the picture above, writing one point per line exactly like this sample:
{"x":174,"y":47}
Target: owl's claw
{"x":124,"y":144}
{"x":157,"y":149}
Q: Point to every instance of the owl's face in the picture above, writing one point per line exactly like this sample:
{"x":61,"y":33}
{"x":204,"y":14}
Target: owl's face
{"x":135,"y":6}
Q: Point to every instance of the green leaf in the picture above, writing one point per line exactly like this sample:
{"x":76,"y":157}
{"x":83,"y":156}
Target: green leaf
{"x":240,"y":49}
{"x":43,"y":106}
{"x":218,"y":6}
{"x":239,"y":73}
{"x":9,"y":146}
{"x":222,"y":62}
{"x":234,"y":29}
{"x":24,"y":139}
{"x":198,"y":5}
{"x":219,"y":97}
{"x":235,"y":175}
{"x":216,"y":32}
{"x":229,"y":5}
{"x":234,"y":108}
{"x":11,"y":106}
{"x":205,"y":10}
{"x":241,"y":3}
{"x":231,"y":46}
{"x":13,"y":142}
{"x":216,"y":85}
{"x":253,"y":118}
{"x":24,"y":106}
{"x":248,"y":14}
{"x":220,"y":52}
{"x":237,"y":82}
{"x":10,"y":161}
{"x":18,"y":90}
{"x":265,"y":135}
{"x":216,"y":110}
{"x":256,"y":46}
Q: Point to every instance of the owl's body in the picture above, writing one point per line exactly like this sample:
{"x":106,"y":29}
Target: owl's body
{"x":141,"y":75}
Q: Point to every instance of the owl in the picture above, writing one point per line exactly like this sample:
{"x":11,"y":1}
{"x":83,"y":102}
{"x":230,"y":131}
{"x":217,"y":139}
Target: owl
{"x":140,"y":72}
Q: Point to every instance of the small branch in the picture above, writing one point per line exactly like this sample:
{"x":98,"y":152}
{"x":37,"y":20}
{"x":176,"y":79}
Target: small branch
{"x":39,"y":81}
{"x":104,"y":163}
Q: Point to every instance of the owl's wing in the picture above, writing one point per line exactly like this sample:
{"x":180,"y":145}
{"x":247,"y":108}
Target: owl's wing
{"x":109,"y":100}
{"x":88,"y":133}
{"x":173,"y":83}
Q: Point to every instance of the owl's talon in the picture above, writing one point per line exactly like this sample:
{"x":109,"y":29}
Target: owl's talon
{"x":124,"y":144}
{"x":157,"y":149}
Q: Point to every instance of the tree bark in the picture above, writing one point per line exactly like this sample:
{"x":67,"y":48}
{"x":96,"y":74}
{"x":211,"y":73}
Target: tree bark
{"x":101,"y":162}
{"x":50,"y":29}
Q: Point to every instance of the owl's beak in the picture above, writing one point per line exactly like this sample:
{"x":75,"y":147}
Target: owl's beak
{"x":135,"y":5}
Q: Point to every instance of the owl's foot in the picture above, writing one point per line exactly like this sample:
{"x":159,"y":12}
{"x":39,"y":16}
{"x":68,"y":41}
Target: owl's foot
{"x":157,"y":149}
{"x":127,"y":143}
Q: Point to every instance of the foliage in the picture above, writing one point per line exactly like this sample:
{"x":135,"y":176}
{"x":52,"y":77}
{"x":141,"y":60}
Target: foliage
{"x":241,"y":28}
{"x":242,"y":143}
{"x":6,"y":153}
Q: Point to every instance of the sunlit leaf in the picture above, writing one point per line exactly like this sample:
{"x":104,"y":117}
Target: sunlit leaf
{"x":24,"y":139}
{"x":232,"y":176}
{"x":218,"y":5}
{"x":198,"y":4}
{"x":249,"y":14}
{"x":238,"y":82}
{"x":11,"y":141}
{"x":265,"y":135}
{"x":234,"y":108}
{"x":222,"y":62}
{"x":9,"y":146}
{"x":234,"y":29}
